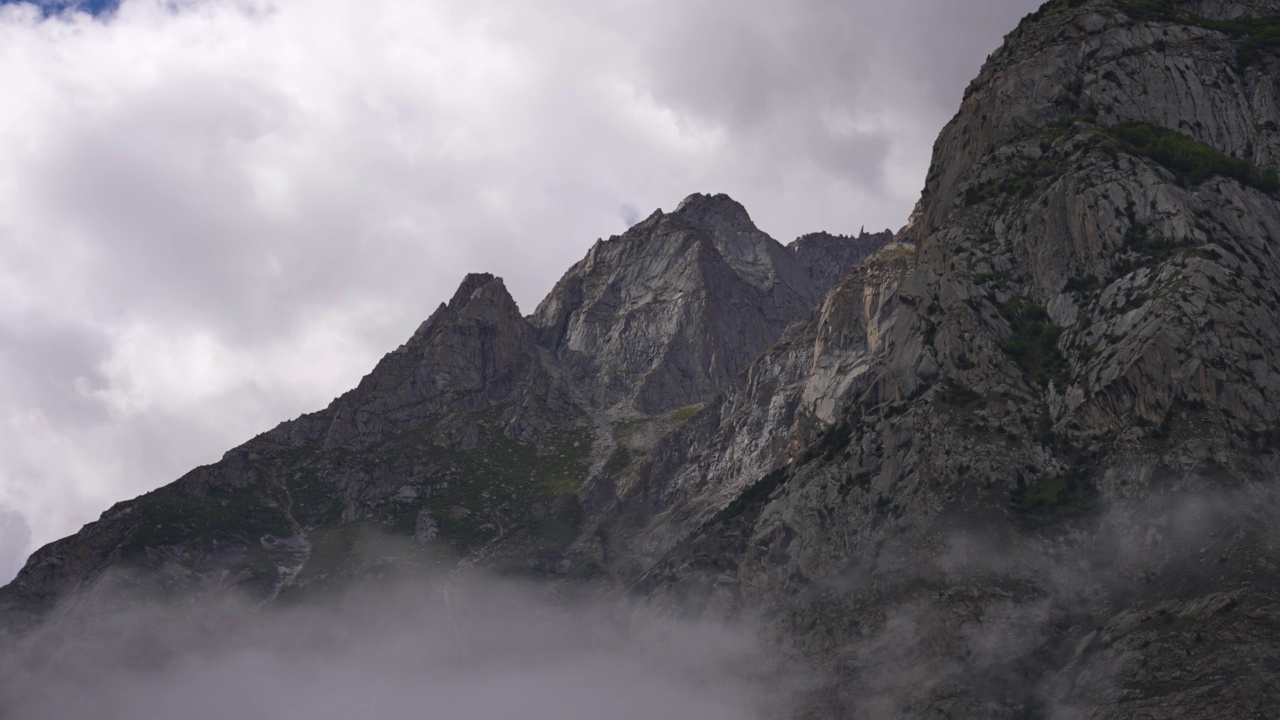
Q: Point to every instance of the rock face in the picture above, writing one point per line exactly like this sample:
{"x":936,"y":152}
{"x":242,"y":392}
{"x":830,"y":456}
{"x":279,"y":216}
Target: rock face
{"x":1048,"y":484}
{"x":666,"y":315}
{"x":1021,"y":461}
{"x":827,"y":258}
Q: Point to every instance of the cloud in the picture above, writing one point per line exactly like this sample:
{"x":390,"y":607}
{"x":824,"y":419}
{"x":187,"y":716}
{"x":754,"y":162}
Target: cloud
{"x":1054,"y":620}
{"x":14,"y":537}
{"x":217,"y":214}
{"x":394,"y":652}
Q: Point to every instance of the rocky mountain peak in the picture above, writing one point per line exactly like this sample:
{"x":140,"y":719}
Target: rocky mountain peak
{"x":754,"y":256}
{"x":484,"y":287}
{"x":474,"y":282}
{"x":481,"y":297}
{"x":714,"y":213}
{"x":665,"y":315}
{"x":475,"y":350}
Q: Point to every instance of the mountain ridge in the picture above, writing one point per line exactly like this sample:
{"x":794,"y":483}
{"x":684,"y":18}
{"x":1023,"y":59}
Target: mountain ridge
{"x":1026,"y":448}
{"x":476,"y":377}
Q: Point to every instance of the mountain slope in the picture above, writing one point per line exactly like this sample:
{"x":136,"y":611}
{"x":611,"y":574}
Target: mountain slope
{"x":463,"y":430}
{"x":470,"y":441}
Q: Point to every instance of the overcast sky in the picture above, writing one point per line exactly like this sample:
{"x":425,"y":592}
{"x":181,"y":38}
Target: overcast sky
{"x":218,"y":214}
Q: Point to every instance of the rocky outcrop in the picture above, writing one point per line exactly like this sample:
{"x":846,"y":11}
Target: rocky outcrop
{"x":666,"y":315}
{"x":828,"y":258}
{"x":793,"y":392}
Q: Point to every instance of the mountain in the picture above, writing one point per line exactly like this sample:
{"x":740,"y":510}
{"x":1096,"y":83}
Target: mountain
{"x":1017,"y":460}
{"x":666,"y":315}
{"x":475,"y":435}
{"x":1031,"y":469}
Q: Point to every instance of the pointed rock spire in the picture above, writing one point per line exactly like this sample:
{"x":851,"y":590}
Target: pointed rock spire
{"x":477,"y":347}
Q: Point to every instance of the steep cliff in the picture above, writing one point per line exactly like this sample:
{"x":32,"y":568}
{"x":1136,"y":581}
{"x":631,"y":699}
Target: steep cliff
{"x":1048,"y":486}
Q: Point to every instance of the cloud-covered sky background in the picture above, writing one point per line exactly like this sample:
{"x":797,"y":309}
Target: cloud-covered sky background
{"x":218,"y":214}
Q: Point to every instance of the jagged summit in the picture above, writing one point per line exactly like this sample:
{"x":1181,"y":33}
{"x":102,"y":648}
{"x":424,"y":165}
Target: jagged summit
{"x":666,"y":315}
{"x":479,"y":295}
{"x":754,"y":256}
{"x":713,"y":213}
{"x":485,"y":285}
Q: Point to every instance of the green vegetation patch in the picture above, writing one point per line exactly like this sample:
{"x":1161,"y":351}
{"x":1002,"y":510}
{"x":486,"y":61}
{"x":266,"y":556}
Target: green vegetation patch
{"x":685,"y":413}
{"x":1052,"y":7}
{"x":501,"y":485}
{"x":1153,"y":10}
{"x":1259,"y":35}
{"x":1020,"y":185}
{"x":834,"y":440}
{"x":620,"y":460}
{"x":1034,"y":342}
{"x":957,"y":394}
{"x":1066,"y":495}
{"x":333,"y":548}
{"x":1191,"y":161}
{"x":1083,"y":284}
{"x":171,"y":516}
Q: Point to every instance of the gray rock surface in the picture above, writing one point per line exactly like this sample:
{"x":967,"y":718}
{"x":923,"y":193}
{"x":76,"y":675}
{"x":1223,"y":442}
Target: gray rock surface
{"x":827,"y":258}
{"x":666,"y":315}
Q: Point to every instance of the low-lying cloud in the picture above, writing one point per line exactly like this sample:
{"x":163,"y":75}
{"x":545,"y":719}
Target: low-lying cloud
{"x":1077,"y":616}
{"x":499,"y":650}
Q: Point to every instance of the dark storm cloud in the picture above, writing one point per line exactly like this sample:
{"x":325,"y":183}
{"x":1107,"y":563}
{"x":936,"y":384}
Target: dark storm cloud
{"x":217,"y":215}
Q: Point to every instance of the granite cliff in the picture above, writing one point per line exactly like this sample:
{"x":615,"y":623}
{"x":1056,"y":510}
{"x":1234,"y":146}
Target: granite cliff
{"x":1016,"y":460}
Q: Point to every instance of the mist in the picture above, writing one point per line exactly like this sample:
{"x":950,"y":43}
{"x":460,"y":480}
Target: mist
{"x":1067,"y":618}
{"x":1052,"y":622}
{"x":415,"y":647}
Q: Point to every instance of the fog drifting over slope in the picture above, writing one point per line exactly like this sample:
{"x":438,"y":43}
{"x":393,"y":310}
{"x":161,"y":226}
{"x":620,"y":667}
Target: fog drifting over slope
{"x":389,"y":651}
{"x":462,"y":645}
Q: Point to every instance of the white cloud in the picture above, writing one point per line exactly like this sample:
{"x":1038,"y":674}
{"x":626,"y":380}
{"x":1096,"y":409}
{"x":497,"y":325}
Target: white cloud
{"x":14,"y":537}
{"x":217,"y":214}
{"x":394,"y":651}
